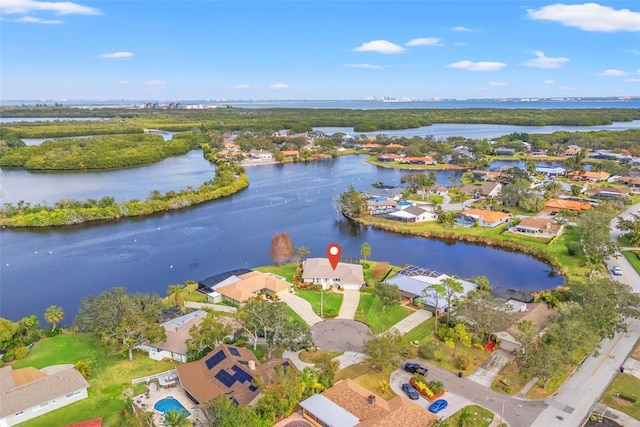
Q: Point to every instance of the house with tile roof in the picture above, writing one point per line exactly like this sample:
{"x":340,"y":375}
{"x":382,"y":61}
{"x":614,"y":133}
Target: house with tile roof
{"x":486,"y":218}
{"x":485,"y":189}
{"x":319,"y":271}
{"x":415,"y":213}
{"x":537,"y":313}
{"x":27,"y":393}
{"x":228,"y":370}
{"x":177,"y":334}
{"x":239,"y":289}
{"x":589,"y":176}
{"x":536,"y":226}
{"x":348,"y":404}
{"x":556,"y":205}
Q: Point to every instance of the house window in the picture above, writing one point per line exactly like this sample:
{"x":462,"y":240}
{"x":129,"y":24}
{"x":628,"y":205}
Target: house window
{"x":70,"y":395}
{"x":17,"y":414}
{"x":43,"y":405}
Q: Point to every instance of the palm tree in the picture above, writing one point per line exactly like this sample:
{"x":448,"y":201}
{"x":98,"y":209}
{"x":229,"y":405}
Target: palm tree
{"x":174,"y":293}
{"x":53,"y":315}
{"x":175,"y":418}
{"x":466,"y":417}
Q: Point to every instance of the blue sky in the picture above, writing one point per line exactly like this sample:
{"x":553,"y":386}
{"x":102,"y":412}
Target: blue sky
{"x":244,"y":50}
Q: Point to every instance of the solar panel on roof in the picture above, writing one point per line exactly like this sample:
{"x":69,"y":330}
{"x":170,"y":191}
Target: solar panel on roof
{"x":285,"y":364}
{"x":239,"y":375}
{"x":215,"y":359}
{"x":225,"y":378}
{"x":234,"y":351}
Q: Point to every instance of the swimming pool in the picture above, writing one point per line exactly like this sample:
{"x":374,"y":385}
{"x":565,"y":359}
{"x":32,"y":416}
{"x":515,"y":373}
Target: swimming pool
{"x":169,"y":403}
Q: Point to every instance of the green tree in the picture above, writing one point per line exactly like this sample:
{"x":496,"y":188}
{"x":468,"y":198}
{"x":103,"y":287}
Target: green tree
{"x":327,"y":368}
{"x":452,"y":289}
{"x":351,"y":203}
{"x":84,"y":368}
{"x":384,"y":349}
{"x":280,"y":397}
{"x":365,"y":251}
{"x":206,"y":336}
{"x":484,"y":313}
{"x":459,"y":334}
{"x":121,"y":321}
{"x":302,"y":252}
{"x":465,"y":418}
{"x":483,"y":284}
{"x":594,"y":232}
{"x":9,"y":334}
{"x":53,"y":315}
{"x":224,"y":412}
{"x":173,"y":293}
{"x":435,"y":292}
{"x":388,"y":294}
{"x":632,"y":228}
{"x":177,"y":418}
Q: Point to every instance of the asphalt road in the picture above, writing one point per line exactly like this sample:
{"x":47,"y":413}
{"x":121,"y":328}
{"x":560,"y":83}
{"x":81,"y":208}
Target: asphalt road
{"x":462,"y":392}
{"x":573,"y":403}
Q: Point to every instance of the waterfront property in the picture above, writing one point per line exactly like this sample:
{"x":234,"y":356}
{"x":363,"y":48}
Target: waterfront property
{"x":348,"y":404}
{"x":27,"y":393}
{"x":538,"y":227}
{"x":486,"y":189}
{"x":556,"y":205}
{"x":238,"y":286}
{"x":413,"y":213}
{"x":485,"y":218}
{"x":537,"y":313}
{"x":345,"y":276}
{"x":229,"y":371}
{"x":412,"y":280}
{"x":177,"y":333}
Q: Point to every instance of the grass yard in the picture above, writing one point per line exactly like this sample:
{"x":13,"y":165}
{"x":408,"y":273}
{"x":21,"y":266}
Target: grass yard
{"x":110,"y":376}
{"x":309,"y":356}
{"x":626,"y":385}
{"x":537,"y":392}
{"x":633,"y":259}
{"x":422,"y":331}
{"x":509,"y":381}
{"x":371,"y":312}
{"x":285,"y":270}
{"x":331,"y":301}
{"x":294,"y":315}
{"x":636,"y":352}
{"x":479,"y":417}
{"x":369,"y":378}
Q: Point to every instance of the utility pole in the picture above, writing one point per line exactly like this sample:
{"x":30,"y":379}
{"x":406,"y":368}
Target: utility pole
{"x":322,"y":300}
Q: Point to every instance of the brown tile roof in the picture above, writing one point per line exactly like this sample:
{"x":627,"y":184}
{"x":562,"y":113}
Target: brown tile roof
{"x":487,"y":216}
{"x":226,"y":370}
{"x":599,"y":176}
{"x":397,"y":412}
{"x":540,"y":223}
{"x":177,"y":332}
{"x":393,"y":145}
{"x":572,"y":205}
{"x":320,"y":268}
{"x":56,"y":381}
{"x":538,"y":313}
{"x":250,"y":284}
{"x":485,"y":188}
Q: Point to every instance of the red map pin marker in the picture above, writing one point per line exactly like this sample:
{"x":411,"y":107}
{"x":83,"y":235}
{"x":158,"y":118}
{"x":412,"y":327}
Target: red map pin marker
{"x":333,"y":253}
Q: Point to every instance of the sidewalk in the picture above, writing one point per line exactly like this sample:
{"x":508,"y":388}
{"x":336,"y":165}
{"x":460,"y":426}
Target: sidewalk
{"x":293,"y":355}
{"x":302,"y":307}
{"x":350,"y":302}
{"x":411,"y":321}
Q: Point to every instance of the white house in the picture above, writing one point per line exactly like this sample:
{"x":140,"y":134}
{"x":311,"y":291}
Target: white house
{"x":412,"y":280}
{"x":177,"y":333}
{"x":27,"y":393}
{"x":414,"y":214}
{"x":319,"y":271}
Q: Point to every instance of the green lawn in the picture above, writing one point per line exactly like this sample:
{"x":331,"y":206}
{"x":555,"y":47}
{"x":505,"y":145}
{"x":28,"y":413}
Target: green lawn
{"x":627,"y":385}
{"x":422,"y":331}
{"x":285,"y":270}
{"x":479,"y":417}
{"x":633,"y":259}
{"x":331,"y":301}
{"x":111,"y":376}
{"x":371,"y":312}
{"x":294,"y":315}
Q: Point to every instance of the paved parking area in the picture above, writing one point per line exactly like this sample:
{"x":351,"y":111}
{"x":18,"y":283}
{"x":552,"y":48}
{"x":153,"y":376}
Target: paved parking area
{"x":340,"y":335}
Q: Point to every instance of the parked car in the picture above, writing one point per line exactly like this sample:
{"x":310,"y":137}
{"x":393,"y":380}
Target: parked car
{"x":415,"y":368}
{"x":438,"y":406}
{"x":617,"y":271}
{"x":411,"y":392}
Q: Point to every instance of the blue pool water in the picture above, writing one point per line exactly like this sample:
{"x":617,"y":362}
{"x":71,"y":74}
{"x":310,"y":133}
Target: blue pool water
{"x":169,"y":403}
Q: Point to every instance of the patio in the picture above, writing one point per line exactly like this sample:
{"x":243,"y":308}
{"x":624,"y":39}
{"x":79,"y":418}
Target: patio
{"x":156,"y":392}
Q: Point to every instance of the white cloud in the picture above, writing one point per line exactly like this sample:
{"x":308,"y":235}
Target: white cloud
{"x":497,"y":84}
{"x":612,"y":72}
{"x":634,"y":80}
{"x":478,"y":66}
{"x":424,"y":41}
{"x":589,"y":17}
{"x":33,"y":20}
{"x":542,"y":61}
{"x":156,"y":83}
{"x":463,"y":29}
{"x":367,"y":66}
{"x":241,"y":86}
{"x":279,"y":86}
{"x":549,"y":81}
{"x":59,"y":8}
{"x":380,"y":46}
{"x":117,"y":55}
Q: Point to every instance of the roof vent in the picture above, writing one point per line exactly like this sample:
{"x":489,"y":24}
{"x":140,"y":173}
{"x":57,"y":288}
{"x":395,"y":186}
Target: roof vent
{"x":252,"y":365}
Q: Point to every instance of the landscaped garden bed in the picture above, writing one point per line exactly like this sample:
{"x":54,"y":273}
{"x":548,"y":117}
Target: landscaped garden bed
{"x":430,"y":390}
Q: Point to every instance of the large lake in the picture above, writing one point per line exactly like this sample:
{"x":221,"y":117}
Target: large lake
{"x":63,"y":265}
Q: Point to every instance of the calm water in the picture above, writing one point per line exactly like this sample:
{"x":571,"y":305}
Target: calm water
{"x":60,"y":266}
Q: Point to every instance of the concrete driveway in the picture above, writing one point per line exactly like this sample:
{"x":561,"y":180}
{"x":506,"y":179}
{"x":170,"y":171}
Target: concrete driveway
{"x":302,"y":307}
{"x":455,"y":401}
{"x":486,"y":373}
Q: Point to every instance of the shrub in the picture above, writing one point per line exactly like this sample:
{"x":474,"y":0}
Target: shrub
{"x":330,"y":312}
{"x":436,"y":386}
{"x":627,"y":397}
{"x":463,"y":362}
{"x":427,"y":350}
{"x":573,"y":248}
{"x":84,"y":368}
